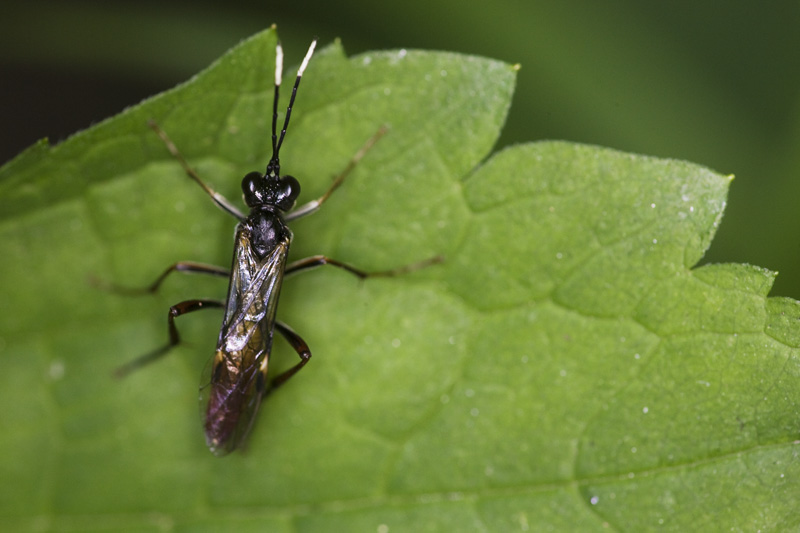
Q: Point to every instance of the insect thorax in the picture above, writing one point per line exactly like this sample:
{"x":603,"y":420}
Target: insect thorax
{"x":267,"y":229}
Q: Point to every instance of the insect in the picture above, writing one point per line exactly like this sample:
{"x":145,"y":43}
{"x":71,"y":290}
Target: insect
{"x":238,"y":371}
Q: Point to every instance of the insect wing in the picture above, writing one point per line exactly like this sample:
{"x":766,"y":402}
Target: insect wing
{"x":239,"y":368}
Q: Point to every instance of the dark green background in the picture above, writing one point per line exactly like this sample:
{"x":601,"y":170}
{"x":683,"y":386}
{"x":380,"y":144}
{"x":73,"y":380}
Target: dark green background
{"x":711,"y":82}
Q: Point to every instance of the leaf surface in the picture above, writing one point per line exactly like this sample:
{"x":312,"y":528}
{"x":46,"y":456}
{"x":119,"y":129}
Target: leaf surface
{"x":566,"y":368}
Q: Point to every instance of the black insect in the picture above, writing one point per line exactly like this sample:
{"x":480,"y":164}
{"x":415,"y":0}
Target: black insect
{"x":238,"y":379}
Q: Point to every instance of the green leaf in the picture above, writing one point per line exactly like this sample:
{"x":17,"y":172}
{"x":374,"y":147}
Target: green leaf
{"x":566,"y":368}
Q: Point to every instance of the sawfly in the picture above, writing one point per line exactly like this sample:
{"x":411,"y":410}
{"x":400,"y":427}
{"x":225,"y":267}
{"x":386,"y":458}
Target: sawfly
{"x":238,"y":371}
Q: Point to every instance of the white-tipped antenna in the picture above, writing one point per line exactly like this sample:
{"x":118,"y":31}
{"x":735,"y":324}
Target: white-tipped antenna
{"x":306,"y":59}
{"x":278,"y":75}
{"x":277,"y":147}
{"x":278,"y":64}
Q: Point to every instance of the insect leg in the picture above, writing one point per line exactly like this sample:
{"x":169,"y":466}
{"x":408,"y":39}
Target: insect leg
{"x":318,"y":260}
{"x":221,"y":202}
{"x":308,"y":263}
{"x":314,"y":205}
{"x":181,"y":266}
{"x":176,"y":310}
{"x":299,"y":345}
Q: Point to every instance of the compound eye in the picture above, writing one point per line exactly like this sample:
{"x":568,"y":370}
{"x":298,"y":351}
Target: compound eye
{"x":288,"y":192}
{"x":250,"y":189}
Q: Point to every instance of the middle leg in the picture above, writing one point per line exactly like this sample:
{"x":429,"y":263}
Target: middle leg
{"x":316,"y":261}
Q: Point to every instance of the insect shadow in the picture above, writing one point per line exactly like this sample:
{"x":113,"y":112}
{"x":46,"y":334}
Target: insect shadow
{"x":238,"y":371}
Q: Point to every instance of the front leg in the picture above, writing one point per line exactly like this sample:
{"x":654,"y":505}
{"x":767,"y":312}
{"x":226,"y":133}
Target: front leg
{"x":314,"y":205}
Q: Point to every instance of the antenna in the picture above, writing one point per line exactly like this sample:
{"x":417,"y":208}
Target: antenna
{"x":274,"y":163}
{"x":278,"y":74}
